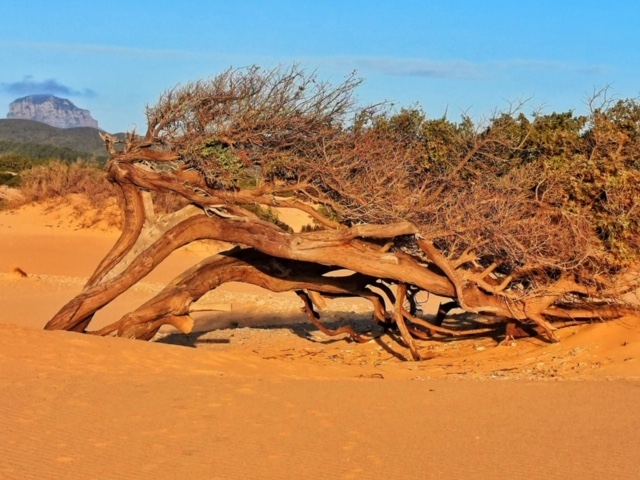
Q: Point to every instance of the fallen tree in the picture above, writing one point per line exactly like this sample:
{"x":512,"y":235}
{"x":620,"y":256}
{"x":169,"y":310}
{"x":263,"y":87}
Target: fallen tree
{"x":525,"y":221}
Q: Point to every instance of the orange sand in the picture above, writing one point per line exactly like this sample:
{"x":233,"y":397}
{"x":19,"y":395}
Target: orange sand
{"x":245,"y":401}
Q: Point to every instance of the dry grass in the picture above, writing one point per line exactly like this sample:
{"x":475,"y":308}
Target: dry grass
{"x":57,"y":181}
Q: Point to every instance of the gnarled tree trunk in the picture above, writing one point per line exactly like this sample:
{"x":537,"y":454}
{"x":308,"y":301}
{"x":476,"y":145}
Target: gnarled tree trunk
{"x":246,"y":142}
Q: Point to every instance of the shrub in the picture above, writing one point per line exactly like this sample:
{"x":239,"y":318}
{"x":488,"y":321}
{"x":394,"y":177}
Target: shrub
{"x":58,"y":179}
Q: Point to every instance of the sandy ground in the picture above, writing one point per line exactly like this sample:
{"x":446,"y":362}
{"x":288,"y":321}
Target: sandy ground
{"x":256,"y":392}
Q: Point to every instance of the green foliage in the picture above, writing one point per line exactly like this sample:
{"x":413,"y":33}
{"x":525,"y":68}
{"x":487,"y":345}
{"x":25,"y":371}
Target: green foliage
{"x":227,"y":161}
{"x":311,"y":227}
{"x":84,"y":140}
{"x":43,"y":151}
{"x":329,"y":213}
{"x":223,"y":166}
{"x":444,"y":142}
{"x":9,"y":179}
{"x":11,"y":165}
{"x":14,"y":162}
{"x":267,"y":214}
{"x":582,"y":166}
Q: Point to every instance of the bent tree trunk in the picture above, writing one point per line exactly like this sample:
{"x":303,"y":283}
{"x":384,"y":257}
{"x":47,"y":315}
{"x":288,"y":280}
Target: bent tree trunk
{"x":476,"y":228}
{"x":282,"y":261}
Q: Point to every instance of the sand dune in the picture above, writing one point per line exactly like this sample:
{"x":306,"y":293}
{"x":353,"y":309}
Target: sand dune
{"x":257,"y":393}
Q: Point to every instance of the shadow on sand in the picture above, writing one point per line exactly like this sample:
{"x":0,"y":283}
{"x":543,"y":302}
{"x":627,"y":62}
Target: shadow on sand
{"x":297,"y":323}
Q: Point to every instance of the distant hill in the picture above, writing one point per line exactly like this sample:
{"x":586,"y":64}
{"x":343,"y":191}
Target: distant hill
{"x":52,"y":110}
{"x":39,"y":140}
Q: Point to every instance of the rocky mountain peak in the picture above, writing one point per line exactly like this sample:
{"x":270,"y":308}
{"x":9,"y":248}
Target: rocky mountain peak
{"x":52,"y":110}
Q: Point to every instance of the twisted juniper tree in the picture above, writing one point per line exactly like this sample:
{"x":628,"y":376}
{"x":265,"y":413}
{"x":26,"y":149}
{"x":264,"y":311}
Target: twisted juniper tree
{"x":521,"y":220}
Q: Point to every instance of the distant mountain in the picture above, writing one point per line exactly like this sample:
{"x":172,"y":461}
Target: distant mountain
{"x":55,"y":111}
{"x":39,"y":140}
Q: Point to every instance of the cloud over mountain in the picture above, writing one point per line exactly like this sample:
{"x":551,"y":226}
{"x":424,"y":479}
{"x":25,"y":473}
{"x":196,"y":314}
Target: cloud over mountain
{"x":29,"y":86}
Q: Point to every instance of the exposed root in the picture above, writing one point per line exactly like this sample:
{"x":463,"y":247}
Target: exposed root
{"x":443,"y":310}
{"x":399,"y":319}
{"x":446,"y":331}
{"x":250,"y":266}
{"x":461,"y":292}
{"x":514,"y":331}
{"x":315,"y":319}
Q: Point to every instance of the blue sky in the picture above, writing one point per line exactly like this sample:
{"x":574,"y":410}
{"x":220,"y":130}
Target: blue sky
{"x":449,"y":56}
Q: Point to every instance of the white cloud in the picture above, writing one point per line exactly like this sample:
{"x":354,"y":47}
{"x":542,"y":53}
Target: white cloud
{"x":408,"y":67}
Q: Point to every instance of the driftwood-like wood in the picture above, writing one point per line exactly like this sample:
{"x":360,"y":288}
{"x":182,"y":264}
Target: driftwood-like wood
{"x":250,"y":140}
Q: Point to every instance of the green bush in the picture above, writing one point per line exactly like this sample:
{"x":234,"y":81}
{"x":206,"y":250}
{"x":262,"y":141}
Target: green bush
{"x":43,"y":151}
